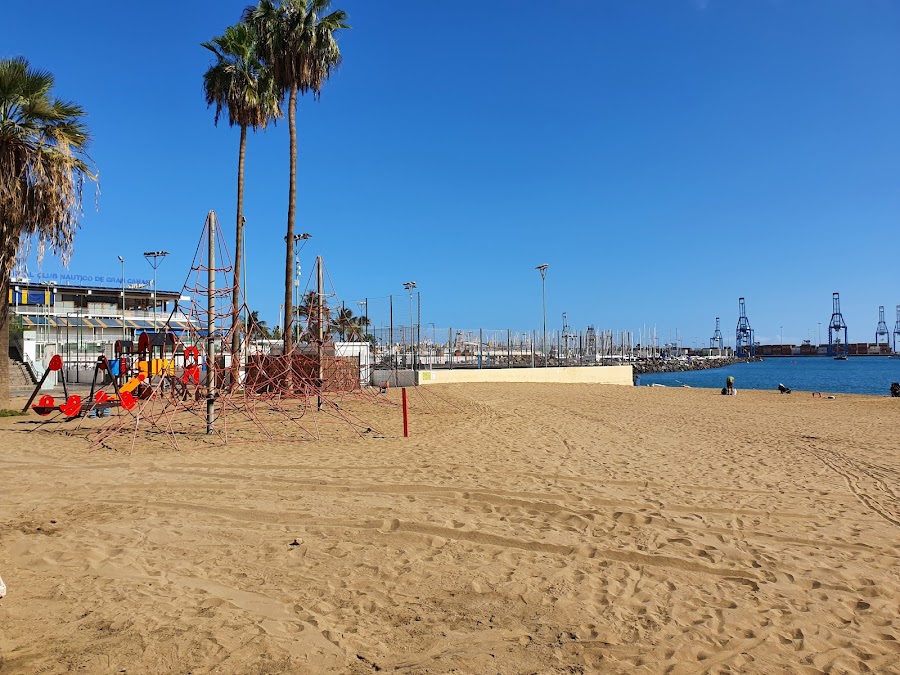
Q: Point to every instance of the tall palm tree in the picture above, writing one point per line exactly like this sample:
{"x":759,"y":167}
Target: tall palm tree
{"x":240,"y":82}
{"x":297,"y":39}
{"x":350,"y":326}
{"x":308,"y":313}
{"x":256,"y":325}
{"x":43,"y":169}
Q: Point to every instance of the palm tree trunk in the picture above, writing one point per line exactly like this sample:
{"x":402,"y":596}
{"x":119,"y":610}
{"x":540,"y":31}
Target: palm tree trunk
{"x":289,"y":239}
{"x":4,"y":342}
{"x":7,"y":259}
{"x":238,"y":255}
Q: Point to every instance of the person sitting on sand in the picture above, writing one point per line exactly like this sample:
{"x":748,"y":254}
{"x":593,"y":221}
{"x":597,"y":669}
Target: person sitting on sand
{"x":729,"y":385}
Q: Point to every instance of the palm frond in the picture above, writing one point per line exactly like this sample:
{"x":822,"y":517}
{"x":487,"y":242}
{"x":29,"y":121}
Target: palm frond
{"x":44,"y":165}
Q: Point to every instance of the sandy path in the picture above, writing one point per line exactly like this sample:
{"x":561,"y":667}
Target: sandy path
{"x":522,"y":529}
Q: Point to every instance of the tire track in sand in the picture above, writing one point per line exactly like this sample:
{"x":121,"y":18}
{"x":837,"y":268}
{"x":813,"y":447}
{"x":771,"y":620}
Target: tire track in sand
{"x":864,"y":480}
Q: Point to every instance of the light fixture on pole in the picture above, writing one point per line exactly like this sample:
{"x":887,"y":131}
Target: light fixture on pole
{"x":295,"y":326}
{"x":362,"y":319}
{"x":409,"y":286}
{"x":155,"y":258}
{"x":543,"y":270}
{"x":122,"y":260}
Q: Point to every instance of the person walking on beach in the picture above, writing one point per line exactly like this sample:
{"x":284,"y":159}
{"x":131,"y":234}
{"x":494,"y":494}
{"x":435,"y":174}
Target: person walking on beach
{"x":729,"y":385}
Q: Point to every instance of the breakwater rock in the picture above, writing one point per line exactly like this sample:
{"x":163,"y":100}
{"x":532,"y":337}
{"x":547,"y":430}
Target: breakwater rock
{"x":683,"y":365}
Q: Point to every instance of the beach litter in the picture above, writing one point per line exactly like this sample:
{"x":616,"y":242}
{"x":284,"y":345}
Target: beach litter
{"x":2,"y":588}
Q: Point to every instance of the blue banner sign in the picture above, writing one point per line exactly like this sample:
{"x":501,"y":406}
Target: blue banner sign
{"x":85,"y":279}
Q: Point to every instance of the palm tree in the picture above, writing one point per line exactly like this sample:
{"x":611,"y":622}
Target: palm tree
{"x":43,"y":169}
{"x":300,"y":46}
{"x":350,"y":326}
{"x":240,"y":82}
{"x":308,"y":313}
{"x":255,"y":325}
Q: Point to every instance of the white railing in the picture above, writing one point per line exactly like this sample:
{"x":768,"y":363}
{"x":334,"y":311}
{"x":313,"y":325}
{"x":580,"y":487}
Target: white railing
{"x":161,"y":317}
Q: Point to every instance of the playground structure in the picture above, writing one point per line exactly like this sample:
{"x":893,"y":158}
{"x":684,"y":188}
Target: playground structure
{"x":217,"y":370}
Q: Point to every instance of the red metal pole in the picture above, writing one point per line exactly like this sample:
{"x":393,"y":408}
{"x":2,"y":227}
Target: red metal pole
{"x":405,"y":416}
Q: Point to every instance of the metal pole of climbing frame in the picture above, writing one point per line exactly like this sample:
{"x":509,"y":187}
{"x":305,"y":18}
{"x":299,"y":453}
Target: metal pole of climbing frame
{"x":211,"y":323}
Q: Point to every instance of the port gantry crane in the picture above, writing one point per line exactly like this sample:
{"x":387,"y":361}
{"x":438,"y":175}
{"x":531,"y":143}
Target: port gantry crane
{"x":715,"y":342}
{"x":836,"y":325}
{"x":882,"y":330}
{"x":897,"y":329}
{"x":743,"y":334}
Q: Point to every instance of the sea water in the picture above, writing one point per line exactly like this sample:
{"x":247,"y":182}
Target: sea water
{"x":857,"y":375}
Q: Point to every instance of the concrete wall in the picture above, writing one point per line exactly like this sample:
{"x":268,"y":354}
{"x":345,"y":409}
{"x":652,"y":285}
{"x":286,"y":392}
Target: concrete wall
{"x":581,"y":375}
{"x":400,"y":377}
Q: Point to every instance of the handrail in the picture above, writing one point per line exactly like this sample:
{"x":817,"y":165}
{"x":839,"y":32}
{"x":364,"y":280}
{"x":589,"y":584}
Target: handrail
{"x":32,"y":368}
{"x":18,"y":342}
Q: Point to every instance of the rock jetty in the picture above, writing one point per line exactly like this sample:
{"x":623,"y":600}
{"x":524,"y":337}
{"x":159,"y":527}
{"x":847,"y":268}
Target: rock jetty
{"x":644,"y":366}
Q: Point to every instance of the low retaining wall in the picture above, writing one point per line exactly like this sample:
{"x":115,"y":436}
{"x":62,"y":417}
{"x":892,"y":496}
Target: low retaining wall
{"x":579,"y":375}
{"x":399,"y":377}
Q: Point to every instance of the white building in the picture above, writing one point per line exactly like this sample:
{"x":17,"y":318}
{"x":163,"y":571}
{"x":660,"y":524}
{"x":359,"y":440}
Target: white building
{"x":84,"y":321}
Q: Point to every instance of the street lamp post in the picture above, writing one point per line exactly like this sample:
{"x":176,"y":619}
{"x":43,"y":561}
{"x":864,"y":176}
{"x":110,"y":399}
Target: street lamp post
{"x":122,"y":260}
{"x":359,"y":319}
{"x":155,"y":258}
{"x":543,"y":270}
{"x":295,"y":326}
{"x":409,"y":286}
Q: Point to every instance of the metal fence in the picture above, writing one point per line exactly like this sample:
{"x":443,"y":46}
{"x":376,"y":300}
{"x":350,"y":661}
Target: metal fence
{"x":433,"y":347}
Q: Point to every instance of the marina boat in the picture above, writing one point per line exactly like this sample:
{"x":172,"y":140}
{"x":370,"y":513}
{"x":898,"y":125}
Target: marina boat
{"x":840,"y":357}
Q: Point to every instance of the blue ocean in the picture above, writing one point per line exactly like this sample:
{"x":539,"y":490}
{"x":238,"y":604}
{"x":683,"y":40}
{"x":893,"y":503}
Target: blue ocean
{"x":857,"y":375}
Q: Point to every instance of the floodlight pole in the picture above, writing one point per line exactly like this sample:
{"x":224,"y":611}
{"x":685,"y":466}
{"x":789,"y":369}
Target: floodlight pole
{"x":297,"y":237}
{"x":155,"y":258}
{"x":409,"y":286}
{"x":122,"y":260}
{"x":543,"y":270}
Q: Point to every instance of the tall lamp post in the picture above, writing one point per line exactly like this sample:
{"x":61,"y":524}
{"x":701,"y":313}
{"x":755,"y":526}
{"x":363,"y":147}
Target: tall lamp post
{"x":543,"y":270}
{"x":122,"y":260}
{"x":409,"y":286}
{"x":363,"y":314}
{"x":295,"y":326}
{"x":155,"y":258}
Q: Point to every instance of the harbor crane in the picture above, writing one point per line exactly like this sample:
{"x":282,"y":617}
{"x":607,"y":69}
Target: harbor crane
{"x":715,"y":342}
{"x":743,"y":334}
{"x":882,"y":330}
{"x":897,"y":329}
{"x":835,"y":326}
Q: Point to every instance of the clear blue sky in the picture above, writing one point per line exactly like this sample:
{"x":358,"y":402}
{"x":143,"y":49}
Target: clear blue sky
{"x":664,"y":157}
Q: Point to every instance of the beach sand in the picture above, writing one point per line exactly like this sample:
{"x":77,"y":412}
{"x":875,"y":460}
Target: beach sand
{"x":520,"y":529}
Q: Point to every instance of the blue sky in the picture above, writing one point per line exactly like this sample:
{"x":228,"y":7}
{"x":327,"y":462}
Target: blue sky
{"x":664,"y":157}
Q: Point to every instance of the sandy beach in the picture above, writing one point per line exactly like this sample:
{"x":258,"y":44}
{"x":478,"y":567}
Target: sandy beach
{"x":520,"y":529}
